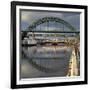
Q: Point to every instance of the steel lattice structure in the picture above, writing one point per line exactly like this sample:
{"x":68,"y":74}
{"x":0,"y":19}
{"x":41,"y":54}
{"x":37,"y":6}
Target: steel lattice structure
{"x":52,"y":19}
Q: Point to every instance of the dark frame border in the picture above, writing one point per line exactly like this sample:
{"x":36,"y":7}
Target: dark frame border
{"x":13,"y":44}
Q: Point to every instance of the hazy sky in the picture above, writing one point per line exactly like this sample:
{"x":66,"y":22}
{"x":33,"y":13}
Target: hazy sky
{"x":28,"y":17}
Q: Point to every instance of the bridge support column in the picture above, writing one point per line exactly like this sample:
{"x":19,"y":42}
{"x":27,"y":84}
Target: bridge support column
{"x":73,"y":65}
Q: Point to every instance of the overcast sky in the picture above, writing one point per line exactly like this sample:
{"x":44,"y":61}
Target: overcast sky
{"x":28,"y":17}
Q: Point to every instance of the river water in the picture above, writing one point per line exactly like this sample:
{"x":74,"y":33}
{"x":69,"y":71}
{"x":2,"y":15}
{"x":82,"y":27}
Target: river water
{"x":44,"y":61}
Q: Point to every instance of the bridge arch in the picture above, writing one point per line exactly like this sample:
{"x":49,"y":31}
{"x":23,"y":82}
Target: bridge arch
{"x":50,"y":19}
{"x":39,"y":22}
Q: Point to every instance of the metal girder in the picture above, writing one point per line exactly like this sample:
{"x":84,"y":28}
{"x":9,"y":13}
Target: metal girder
{"x":52,"y":19}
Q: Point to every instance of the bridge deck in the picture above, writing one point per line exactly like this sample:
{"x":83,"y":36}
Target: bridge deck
{"x":38,"y":31}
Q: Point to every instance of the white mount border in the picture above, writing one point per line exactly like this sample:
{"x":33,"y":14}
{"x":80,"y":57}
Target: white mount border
{"x":49,"y":79}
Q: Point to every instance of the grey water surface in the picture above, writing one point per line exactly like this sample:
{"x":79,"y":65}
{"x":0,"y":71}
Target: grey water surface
{"x":44,"y":61}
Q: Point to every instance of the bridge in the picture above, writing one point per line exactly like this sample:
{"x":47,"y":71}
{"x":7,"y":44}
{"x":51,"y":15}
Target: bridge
{"x":53,"y":31}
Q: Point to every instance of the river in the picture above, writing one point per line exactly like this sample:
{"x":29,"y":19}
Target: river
{"x":44,"y":61}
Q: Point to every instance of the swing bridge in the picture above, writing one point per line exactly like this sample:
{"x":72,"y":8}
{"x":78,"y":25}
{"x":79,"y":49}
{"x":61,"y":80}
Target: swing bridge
{"x":54,"y":33}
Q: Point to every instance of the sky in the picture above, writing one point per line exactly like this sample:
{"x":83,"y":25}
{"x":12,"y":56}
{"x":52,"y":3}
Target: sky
{"x":28,"y":17}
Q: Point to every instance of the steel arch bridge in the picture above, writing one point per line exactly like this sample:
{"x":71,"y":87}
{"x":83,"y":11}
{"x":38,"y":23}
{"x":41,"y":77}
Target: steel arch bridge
{"x":50,"y":19}
{"x":33,"y":28}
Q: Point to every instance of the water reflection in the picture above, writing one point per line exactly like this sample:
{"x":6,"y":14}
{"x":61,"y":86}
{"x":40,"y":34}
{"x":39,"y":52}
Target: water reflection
{"x":43,"y":61}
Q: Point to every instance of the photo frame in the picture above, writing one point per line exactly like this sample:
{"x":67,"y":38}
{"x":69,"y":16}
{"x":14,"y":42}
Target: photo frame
{"x":48,"y":44}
